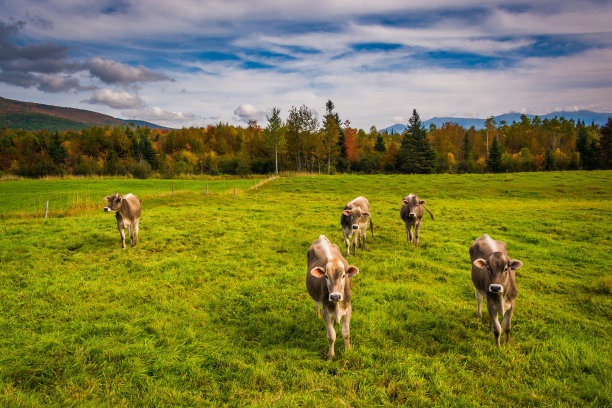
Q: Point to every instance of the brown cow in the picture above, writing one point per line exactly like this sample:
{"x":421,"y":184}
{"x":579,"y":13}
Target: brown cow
{"x":493,"y":278}
{"x":328,"y":280}
{"x":127,"y":209}
{"x":354,"y":220}
{"x":412,"y":214}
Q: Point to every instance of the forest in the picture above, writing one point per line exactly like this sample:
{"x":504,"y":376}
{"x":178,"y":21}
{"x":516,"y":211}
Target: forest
{"x":304,"y":143}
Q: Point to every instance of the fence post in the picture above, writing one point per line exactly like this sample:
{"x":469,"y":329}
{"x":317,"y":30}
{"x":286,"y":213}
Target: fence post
{"x":255,"y":185}
{"x":206,"y":189}
{"x":234,"y":190}
{"x":46,"y":208}
{"x":172,"y":189}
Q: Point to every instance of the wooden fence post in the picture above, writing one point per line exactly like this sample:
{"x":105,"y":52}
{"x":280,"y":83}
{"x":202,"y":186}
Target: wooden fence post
{"x":234,"y":190}
{"x":206,"y":189}
{"x":46,"y":208}
{"x":172,"y":189}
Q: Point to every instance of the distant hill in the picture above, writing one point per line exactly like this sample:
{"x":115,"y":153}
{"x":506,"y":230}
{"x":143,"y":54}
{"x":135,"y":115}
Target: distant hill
{"x":588,"y":117}
{"x":34,"y":116}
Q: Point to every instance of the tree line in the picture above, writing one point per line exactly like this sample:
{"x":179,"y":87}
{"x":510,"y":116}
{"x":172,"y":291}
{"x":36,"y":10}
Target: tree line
{"x":304,"y":143}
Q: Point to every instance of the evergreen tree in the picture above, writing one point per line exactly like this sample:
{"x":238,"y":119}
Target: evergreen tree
{"x":605,"y":147}
{"x":148,"y":151}
{"x":331,"y":134}
{"x":494,"y":162}
{"x":416,"y":154}
{"x":379,"y":146}
{"x":467,"y":156}
{"x":57,"y":151}
{"x":586,"y":148}
{"x":549,"y":160}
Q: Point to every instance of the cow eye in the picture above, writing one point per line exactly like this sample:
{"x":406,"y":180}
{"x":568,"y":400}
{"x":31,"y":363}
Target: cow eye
{"x":343,"y":275}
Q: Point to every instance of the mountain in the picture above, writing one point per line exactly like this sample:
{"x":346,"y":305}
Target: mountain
{"x":34,"y":116}
{"x":599,"y":118}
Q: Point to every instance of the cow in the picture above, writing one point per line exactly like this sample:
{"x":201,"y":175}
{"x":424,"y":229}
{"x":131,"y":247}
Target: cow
{"x":127,"y":212}
{"x":354,"y":220}
{"x":328,"y":280}
{"x":412,"y":215}
{"x":493,"y":278}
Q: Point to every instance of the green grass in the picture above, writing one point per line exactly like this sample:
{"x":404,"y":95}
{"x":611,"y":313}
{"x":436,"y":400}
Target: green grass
{"x":211,"y":308}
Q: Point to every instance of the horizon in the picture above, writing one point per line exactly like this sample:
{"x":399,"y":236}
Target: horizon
{"x":194,"y":64}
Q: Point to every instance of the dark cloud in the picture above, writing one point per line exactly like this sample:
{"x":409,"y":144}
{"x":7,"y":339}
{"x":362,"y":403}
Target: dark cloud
{"x":113,"y":72}
{"x":47,"y":67}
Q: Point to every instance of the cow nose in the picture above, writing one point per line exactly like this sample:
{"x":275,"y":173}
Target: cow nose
{"x":355,"y":226}
{"x":106,"y":209}
{"x":496,"y":288}
{"x":334,"y":297}
{"x":411,"y":215}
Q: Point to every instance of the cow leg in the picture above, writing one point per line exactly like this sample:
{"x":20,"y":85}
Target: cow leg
{"x":494,"y":322}
{"x":507,"y":323}
{"x":363,"y":238}
{"x":347,"y":241}
{"x":417,"y":227}
{"x":136,"y":231}
{"x":122,"y":234}
{"x":479,"y":298}
{"x":131,"y":231}
{"x":355,"y":237}
{"x":408,"y":232}
{"x":318,"y":309}
{"x":346,"y":330}
{"x":331,"y":334}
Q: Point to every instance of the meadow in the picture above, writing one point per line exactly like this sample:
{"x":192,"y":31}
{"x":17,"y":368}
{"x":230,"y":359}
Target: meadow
{"x":211,"y":308}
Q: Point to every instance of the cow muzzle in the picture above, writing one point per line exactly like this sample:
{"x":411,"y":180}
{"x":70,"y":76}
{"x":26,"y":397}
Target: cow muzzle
{"x":335,"y":297}
{"x":412,"y":216}
{"x":496,"y":289}
{"x":106,"y":209}
{"x":355,"y":226}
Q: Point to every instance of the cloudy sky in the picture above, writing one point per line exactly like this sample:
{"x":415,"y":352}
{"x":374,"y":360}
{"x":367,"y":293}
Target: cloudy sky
{"x":183,"y":63}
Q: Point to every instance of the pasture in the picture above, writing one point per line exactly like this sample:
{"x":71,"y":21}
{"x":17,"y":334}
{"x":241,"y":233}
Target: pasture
{"x":211,"y":308}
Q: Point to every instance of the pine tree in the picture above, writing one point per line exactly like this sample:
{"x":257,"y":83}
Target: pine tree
{"x":467,"y":158}
{"x":379,"y":146}
{"x":605,"y":147}
{"x":494,"y":162}
{"x":331,"y":134}
{"x":416,"y":154}
{"x":587,"y":149}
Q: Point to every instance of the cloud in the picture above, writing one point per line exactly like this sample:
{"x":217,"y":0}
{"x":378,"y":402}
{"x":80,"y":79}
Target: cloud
{"x":159,"y":114}
{"x":116,"y":100}
{"x":113,"y":72}
{"x":246,"y":112}
{"x":57,"y":83}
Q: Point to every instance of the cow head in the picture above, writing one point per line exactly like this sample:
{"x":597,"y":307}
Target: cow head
{"x":498,"y":267}
{"x":354,"y":215}
{"x":114,"y":202}
{"x":335,"y":278}
{"x":413,"y":202}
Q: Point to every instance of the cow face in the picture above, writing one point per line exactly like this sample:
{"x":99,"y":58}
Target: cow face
{"x":335,"y":278}
{"x":114,"y":202}
{"x":413,"y":204}
{"x":498,"y":267}
{"x":354,"y":215}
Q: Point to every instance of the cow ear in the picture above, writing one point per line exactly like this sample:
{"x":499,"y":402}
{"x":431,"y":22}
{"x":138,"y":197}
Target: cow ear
{"x":480,"y":263}
{"x":404,"y":202}
{"x":422,"y":202}
{"x":317,"y":272}
{"x":515,"y":264}
{"x":352,"y":271}
{"x":106,"y":198}
{"x":346,"y":212}
{"x":119,"y":199}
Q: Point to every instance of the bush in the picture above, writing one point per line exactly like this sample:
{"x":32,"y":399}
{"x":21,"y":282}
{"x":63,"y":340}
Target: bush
{"x":262,"y":166}
{"x":140,"y":170}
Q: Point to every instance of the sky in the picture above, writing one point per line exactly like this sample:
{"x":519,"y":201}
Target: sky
{"x":186,"y":63}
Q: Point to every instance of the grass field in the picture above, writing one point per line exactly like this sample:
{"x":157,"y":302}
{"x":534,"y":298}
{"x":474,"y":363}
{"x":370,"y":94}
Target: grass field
{"x":211,"y":308}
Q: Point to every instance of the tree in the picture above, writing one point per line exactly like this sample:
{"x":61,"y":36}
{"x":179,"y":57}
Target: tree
{"x":301,"y":125}
{"x":494,"y":162}
{"x":416,"y":154}
{"x":605,"y":147}
{"x":275,"y":134}
{"x":491,"y":130}
{"x":380,"y":144}
{"x":331,"y":134}
{"x":467,"y":157}
{"x":587,"y":148}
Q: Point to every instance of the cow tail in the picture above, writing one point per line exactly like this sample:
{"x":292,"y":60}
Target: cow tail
{"x":430,"y":214}
{"x":371,"y":227}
